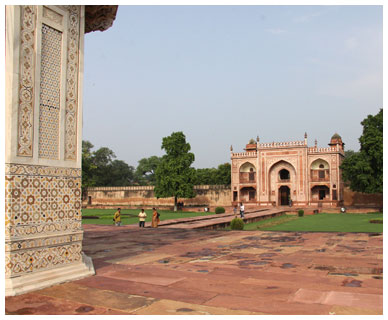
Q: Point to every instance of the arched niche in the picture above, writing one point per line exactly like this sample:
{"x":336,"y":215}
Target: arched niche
{"x":320,"y":170}
{"x":320,"y":164}
{"x":247,"y":167}
{"x":320,"y":193}
{"x":247,"y":173}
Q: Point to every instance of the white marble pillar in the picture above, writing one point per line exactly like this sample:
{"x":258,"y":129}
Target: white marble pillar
{"x":44,"y":71}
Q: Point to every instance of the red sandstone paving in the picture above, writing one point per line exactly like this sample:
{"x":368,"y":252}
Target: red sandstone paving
{"x":148,"y":290}
{"x":138,"y":270}
{"x":36,"y":304}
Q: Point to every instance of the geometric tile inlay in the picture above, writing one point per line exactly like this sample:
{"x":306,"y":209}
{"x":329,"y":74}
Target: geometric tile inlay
{"x":43,"y":223}
{"x":50,"y":81}
{"x":42,"y":199}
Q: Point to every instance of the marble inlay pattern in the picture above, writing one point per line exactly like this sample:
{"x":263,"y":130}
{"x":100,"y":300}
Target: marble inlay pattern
{"x":50,"y":82}
{"x":19,"y":262}
{"x":45,"y":203}
{"x":72,"y":84}
{"x":42,"y":199}
{"x":26,"y":81}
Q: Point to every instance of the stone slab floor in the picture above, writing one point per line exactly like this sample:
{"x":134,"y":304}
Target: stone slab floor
{"x":177,"y":271}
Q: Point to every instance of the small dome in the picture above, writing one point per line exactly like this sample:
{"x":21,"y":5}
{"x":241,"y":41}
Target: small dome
{"x":336,"y":136}
{"x":252,"y":141}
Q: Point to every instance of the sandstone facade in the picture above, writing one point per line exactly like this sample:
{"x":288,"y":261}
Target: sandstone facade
{"x":273,"y":174}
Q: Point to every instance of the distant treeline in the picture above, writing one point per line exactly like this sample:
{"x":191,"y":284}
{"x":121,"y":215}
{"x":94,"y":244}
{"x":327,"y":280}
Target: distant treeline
{"x":101,"y":168}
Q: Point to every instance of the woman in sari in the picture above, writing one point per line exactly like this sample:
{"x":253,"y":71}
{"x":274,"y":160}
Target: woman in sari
{"x":155,"y":218}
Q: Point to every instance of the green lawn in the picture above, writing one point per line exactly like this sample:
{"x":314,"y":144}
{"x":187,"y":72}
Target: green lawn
{"x":321,"y":222}
{"x":129,"y":216}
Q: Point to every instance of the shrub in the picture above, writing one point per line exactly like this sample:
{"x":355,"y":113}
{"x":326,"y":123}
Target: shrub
{"x":220,"y":210}
{"x":376,"y":221}
{"x":237,"y":224}
{"x":301,"y":213}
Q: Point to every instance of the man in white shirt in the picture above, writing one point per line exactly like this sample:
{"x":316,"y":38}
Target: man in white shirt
{"x":142,"y":216}
{"x":242,"y":209}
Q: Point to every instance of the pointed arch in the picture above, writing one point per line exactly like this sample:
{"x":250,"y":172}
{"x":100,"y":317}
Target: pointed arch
{"x":247,"y":166}
{"x":318,"y":163}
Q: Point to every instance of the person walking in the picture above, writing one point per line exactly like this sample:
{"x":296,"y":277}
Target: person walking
{"x":235,"y":211}
{"x":155,"y":218}
{"x":242,"y":209}
{"x":117,"y":217}
{"x":142,"y":217}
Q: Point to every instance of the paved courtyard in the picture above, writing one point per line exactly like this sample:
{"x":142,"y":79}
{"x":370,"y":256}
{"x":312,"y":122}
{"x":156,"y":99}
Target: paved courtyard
{"x":180,"y":271}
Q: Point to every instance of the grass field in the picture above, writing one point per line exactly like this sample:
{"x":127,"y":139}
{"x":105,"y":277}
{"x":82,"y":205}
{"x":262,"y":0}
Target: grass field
{"x":129,"y":216}
{"x":321,"y":222}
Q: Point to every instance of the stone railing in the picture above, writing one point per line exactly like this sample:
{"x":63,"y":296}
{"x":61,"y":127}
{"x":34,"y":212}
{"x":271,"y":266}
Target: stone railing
{"x":282,"y":144}
{"x":244,"y":154}
{"x":132,"y":188}
{"x":144,"y":188}
{"x":323,"y":150}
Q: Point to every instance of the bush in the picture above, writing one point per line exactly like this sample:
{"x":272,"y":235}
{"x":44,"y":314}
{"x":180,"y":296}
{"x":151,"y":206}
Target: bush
{"x":237,"y":224}
{"x":380,"y":221}
{"x":301,"y":213}
{"x":220,"y":210}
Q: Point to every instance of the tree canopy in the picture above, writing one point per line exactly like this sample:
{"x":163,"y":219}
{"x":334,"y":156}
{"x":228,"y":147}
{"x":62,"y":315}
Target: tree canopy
{"x":145,"y":171}
{"x":212,"y":176}
{"x":363,"y":170}
{"x":100,"y":169}
{"x":174,"y":176}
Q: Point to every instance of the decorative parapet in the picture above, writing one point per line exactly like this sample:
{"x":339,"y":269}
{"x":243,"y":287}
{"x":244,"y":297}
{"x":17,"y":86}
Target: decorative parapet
{"x":244,"y":155}
{"x":132,"y":188}
{"x":325,"y":150}
{"x":282,"y":144}
{"x":144,"y":188}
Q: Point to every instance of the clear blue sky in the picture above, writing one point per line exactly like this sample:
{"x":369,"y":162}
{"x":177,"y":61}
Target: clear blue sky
{"x":225,"y":74}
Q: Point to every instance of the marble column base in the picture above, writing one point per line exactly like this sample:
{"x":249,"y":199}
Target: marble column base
{"x":43,"y":279}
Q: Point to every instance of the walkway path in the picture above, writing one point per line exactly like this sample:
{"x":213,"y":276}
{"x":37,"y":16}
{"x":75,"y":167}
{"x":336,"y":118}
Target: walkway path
{"x":193,"y":271}
{"x":217,"y":221}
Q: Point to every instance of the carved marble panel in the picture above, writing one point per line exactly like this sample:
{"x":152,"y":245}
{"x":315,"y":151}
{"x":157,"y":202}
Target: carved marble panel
{"x":26,"y":82}
{"x":50,"y":83}
{"x":72,"y":84}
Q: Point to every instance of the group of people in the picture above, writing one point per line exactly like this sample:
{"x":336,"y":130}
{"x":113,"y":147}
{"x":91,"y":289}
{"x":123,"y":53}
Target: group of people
{"x":142,"y":217}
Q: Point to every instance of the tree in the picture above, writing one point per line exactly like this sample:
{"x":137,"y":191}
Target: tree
{"x":102,"y":159}
{"x":174,"y":176}
{"x":224,"y":174}
{"x":364,"y":170}
{"x":145,"y":171}
{"x":100,"y":169}
{"x":120,"y":174}
{"x":87,"y":165}
{"x":213,"y":176}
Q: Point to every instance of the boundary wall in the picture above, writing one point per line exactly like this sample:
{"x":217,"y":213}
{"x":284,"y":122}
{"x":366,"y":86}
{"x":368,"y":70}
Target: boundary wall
{"x":206,"y":196}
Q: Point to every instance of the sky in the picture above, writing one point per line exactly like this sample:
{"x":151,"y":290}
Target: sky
{"x":226,"y":74}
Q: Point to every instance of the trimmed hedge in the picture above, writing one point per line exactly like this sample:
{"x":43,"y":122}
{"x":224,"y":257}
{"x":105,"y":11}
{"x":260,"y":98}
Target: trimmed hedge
{"x":301,"y":213}
{"x":237,"y":224}
{"x":220,"y":210}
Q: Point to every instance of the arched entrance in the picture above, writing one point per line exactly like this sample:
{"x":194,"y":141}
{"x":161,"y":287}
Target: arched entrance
{"x":320,"y":193}
{"x":248,"y":194}
{"x":284,"y":195}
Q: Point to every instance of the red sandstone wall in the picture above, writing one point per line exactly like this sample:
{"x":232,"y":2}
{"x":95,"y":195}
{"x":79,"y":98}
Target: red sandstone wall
{"x":352,"y":198}
{"x":211,"y":196}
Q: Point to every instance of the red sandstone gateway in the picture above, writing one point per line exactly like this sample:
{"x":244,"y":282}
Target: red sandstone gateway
{"x":288,"y":174}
